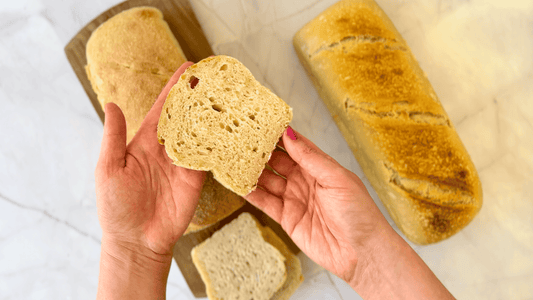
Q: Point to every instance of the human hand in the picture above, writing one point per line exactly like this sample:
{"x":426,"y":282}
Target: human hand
{"x":143,"y":200}
{"x":323,"y":207}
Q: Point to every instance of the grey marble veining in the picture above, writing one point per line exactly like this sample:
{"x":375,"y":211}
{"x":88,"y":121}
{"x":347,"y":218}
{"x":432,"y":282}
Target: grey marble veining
{"x":477,"y":55}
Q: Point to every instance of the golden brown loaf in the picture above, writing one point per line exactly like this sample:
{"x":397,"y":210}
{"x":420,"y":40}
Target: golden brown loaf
{"x":130,"y":59}
{"x":391,"y":118}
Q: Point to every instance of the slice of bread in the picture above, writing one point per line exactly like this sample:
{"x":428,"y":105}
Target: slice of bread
{"x":237,"y":263}
{"x":217,"y":117}
{"x":292,"y":264}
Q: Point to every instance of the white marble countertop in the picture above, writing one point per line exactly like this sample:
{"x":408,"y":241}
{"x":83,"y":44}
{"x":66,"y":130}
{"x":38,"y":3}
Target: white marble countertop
{"x":477,"y":54}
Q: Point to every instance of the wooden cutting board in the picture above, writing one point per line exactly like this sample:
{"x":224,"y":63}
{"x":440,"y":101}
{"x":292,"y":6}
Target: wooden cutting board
{"x":183,"y":23}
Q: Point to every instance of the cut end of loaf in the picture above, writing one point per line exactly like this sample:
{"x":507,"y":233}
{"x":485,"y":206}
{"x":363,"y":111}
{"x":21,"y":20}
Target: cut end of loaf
{"x":219,"y":118}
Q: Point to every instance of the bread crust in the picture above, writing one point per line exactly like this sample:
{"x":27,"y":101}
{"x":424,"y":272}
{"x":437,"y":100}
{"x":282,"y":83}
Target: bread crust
{"x":130,"y":58}
{"x":292,"y":264}
{"x":392,"y":119}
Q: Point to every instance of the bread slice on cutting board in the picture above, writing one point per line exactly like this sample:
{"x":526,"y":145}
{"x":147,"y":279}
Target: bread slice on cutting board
{"x":237,"y":263}
{"x":244,"y":260}
{"x":292,"y":264}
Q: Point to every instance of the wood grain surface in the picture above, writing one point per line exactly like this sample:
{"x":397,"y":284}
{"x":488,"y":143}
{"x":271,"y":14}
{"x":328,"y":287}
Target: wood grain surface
{"x":183,"y":23}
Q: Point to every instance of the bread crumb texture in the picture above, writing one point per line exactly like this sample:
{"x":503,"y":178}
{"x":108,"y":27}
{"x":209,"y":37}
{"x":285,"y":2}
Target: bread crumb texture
{"x":237,"y":263}
{"x":219,"y":118}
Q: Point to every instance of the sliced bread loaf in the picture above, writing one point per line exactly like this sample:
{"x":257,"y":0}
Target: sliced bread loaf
{"x":217,"y":117}
{"x":237,"y":263}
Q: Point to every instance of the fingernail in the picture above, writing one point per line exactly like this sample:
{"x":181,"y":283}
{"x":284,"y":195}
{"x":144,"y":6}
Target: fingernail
{"x":291,"y":133}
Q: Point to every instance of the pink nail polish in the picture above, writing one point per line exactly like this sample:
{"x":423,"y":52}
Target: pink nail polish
{"x":291,"y":133}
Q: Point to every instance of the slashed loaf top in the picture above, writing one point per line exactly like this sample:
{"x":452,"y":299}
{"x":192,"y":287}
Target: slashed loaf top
{"x":237,"y":263}
{"x":219,"y":118}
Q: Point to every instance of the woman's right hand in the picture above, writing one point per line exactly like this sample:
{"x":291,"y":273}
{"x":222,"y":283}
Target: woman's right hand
{"x":324,"y":208}
{"x":328,"y":213}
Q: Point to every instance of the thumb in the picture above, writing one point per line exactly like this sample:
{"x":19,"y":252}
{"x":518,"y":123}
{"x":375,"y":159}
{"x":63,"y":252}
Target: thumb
{"x":113,"y":149}
{"x":309,"y":157}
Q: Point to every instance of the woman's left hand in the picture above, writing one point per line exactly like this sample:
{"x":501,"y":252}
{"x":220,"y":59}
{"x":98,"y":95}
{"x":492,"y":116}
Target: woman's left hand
{"x":143,"y":199}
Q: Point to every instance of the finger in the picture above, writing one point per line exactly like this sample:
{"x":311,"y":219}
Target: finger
{"x":280,"y":145}
{"x":282,"y":163}
{"x":188,"y":186}
{"x":113,"y":148}
{"x":272,"y":183}
{"x":152,"y":118}
{"x":148,"y":131}
{"x":174,"y":79}
{"x":268,"y":203}
{"x":310,"y":158}
{"x":297,"y":135}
